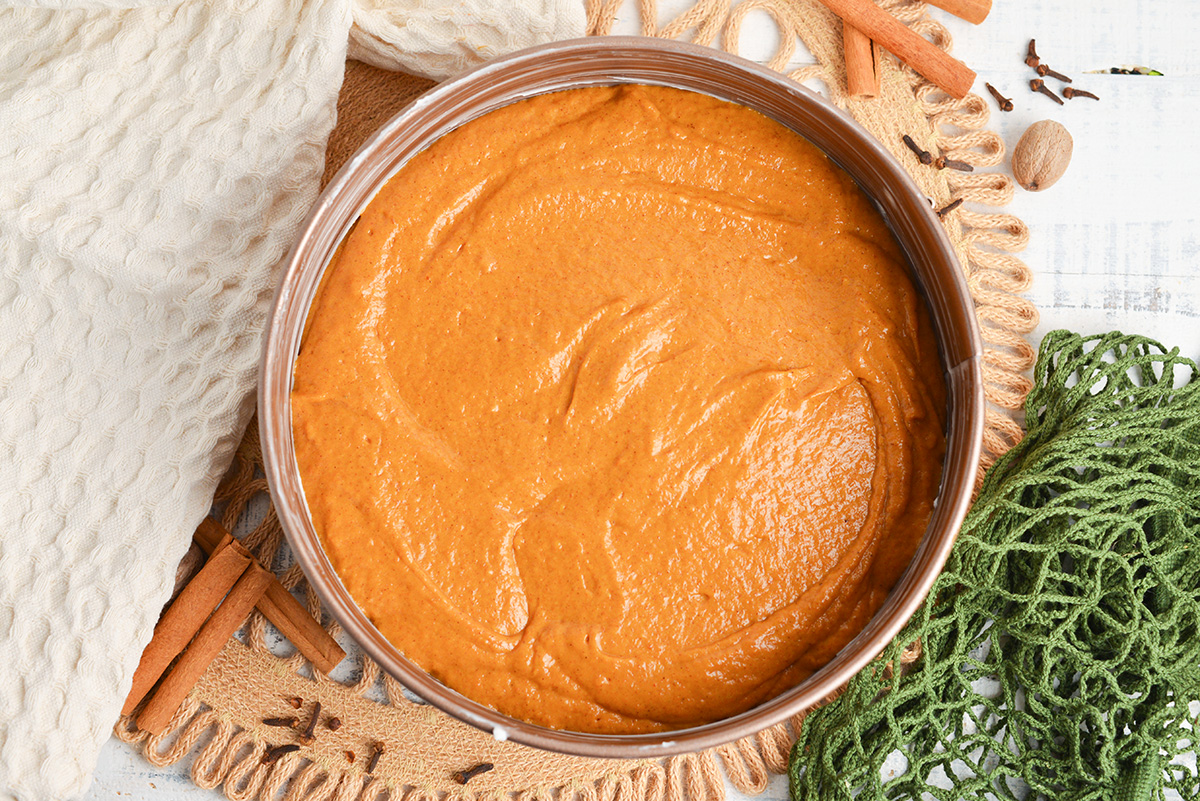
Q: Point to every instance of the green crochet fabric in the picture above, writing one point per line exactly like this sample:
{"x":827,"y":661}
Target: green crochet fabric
{"x":1060,"y":646}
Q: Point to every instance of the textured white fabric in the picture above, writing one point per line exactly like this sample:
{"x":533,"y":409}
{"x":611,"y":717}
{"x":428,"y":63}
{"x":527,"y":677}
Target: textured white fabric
{"x":155,"y":164}
{"x":154,"y":167}
{"x":440,"y":38}
{"x":63,"y":5}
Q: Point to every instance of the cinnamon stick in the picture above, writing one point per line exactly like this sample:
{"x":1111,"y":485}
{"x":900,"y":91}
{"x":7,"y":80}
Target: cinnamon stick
{"x":186,"y":615}
{"x":285,"y":612}
{"x":862,"y":67}
{"x":209,"y":533}
{"x":973,"y":11}
{"x":947,"y":73}
{"x":171,"y":692}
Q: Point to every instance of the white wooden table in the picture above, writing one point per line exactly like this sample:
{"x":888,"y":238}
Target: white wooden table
{"x":1115,"y":244}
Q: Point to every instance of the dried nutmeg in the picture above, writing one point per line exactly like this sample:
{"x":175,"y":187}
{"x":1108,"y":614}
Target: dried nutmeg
{"x":1042,"y":155}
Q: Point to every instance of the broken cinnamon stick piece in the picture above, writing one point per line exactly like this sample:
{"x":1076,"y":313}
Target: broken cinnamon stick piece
{"x":186,"y":615}
{"x":209,"y":533}
{"x":939,"y":68}
{"x":171,"y":692}
{"x":973,"y":11}
{"x":285,"y":612}
{"x":862,"y":67}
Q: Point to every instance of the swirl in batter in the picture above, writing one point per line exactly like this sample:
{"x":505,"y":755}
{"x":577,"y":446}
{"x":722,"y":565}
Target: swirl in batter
{"x":618,"y":410}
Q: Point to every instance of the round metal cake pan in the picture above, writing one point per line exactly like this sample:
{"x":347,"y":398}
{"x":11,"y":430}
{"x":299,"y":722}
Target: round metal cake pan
{"x":608,"y":61}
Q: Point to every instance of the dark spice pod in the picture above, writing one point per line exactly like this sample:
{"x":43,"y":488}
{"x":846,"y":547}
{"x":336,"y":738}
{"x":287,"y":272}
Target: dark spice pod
{"x":943,"y":163}
{"x":273,"y":754}
{"x":286,"y":723}
{"x":949,"y":207}
{"x":1003,"y":102}
{"x":464,"y":776}
{"x":1045,"y":71}
{"x":310,"y":731}
{"x":924,"y":156}
{"x":379,"y":749}
{"x":1038,"y":85}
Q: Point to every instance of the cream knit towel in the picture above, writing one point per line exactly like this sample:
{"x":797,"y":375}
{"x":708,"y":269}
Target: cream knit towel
{"x":155,"y":162}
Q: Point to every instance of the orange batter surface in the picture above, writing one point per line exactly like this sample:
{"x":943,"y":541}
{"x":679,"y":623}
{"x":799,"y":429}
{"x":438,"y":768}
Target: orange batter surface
{"x":618,"y":411}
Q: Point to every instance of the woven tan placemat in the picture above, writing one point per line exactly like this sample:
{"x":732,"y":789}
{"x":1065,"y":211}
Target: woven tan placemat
{"x":221,"y":722}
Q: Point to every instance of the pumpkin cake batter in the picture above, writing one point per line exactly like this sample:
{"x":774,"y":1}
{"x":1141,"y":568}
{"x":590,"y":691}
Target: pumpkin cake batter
{"x":618,"y":410}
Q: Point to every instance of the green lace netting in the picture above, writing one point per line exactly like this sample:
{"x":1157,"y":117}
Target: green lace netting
{"x":1060,"y":646}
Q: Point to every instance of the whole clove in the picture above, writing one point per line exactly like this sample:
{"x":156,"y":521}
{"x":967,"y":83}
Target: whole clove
{"x":924,"y":156}
{"x":1070,"y":92}
{"x":464,"y":776}
{"x":1032,"y":57}
{"x":949,"y":207}
{"x":1045,"y":71}
{"x":310,"y":731}
{"x":1038,"y":85}
{"x":286,"y":723}
{"x":273,"y":754}
{"x":379,"y":749}
{"x":943,"y":163}
{"x":1005,"y":103}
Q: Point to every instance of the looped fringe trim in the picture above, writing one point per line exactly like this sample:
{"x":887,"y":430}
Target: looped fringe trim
{"x":231,"y":759}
